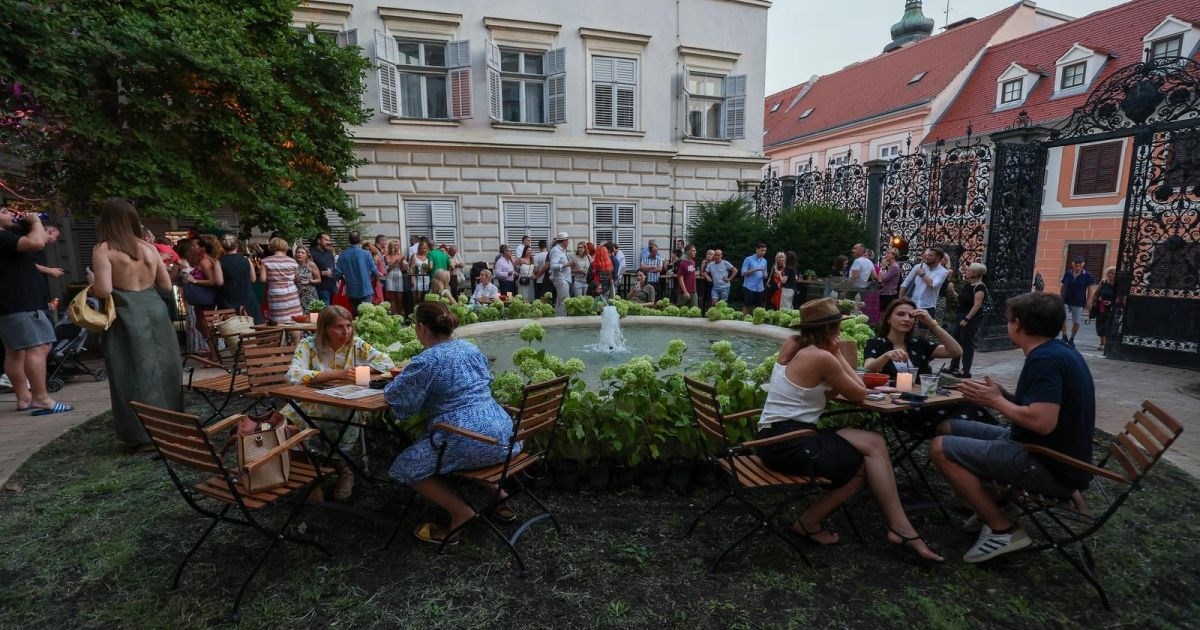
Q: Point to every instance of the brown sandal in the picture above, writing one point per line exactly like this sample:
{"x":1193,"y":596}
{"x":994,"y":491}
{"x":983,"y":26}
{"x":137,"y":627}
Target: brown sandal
{"x":434,"y":534}
{"x":503,"y":512}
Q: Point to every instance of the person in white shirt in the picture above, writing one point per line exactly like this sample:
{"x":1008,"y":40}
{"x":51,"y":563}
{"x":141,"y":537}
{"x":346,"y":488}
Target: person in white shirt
{"x":414,"y":242}
{"x":924,"y":282}
{"x":619,"y":269}
{"x":485,"y":292}
{"x":862,"y":270}
{"x":559,"y":264}
{"x":540,"y":268}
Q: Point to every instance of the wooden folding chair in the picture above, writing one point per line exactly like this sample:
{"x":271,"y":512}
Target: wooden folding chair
{"x":744,"y":472}
{"x":186,"y":448}
{"x":208,"y":322}
{"x":541,"y":405}
{"x":219,"y":390}
{"x":266,"y":369}
{"x":1063,"y":522}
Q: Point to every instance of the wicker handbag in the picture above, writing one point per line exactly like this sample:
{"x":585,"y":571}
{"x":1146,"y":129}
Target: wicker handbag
{"x":83,"y":315}
{"x":232,"y":328}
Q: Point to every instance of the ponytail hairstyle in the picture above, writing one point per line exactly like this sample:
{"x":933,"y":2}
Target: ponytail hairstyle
{"x":437,"y":317}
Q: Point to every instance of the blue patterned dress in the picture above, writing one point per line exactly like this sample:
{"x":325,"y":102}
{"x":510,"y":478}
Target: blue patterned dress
{"x":451,"y":383}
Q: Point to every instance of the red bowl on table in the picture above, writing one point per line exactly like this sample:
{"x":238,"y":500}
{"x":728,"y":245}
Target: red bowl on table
{"x":300,"y":319}
{"x":875,"y":379}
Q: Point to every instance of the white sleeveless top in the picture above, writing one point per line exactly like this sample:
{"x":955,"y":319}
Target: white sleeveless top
{"x":788,"y":401}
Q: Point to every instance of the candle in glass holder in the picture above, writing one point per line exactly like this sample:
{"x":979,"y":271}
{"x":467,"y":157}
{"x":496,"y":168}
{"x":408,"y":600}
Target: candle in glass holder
{"x":312,"y":317}
{"x":362,"y":375}
{"x":904,"y":381}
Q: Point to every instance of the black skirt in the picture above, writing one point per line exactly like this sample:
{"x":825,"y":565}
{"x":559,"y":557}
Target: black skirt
{"x":825,"y":454}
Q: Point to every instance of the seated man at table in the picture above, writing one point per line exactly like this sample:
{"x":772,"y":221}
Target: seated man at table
{"x":1054,"y":406}
{"x":485,"y":292}
{"x":328,"y":358}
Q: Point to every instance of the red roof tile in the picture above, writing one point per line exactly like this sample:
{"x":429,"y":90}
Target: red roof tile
{"x":1121,"y":28}
{"x":881,"y":84}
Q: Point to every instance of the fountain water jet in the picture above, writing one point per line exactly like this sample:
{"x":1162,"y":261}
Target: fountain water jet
{"x":611,"y":339}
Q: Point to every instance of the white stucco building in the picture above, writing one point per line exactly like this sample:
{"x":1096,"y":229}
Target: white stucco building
{"x":605,"y":120}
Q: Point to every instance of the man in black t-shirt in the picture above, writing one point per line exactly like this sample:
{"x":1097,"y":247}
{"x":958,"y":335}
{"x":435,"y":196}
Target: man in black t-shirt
{"x":25,"y":328}
{"x":1054,"y":406}
{"x":322,"y":255}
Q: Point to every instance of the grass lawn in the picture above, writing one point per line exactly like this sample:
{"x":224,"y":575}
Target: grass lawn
{"x":93,"y":538}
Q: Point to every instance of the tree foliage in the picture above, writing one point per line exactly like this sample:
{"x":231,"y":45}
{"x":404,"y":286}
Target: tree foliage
{"x":729,"y":225}
{"x":184,"y":106}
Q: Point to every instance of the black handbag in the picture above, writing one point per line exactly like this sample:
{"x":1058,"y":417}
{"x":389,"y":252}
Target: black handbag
{"x":199,"y":295}
{"x":524,"y":280}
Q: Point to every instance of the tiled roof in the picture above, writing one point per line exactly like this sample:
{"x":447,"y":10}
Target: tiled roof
{"x":1121,"y":28}
{"x":881,"y":84}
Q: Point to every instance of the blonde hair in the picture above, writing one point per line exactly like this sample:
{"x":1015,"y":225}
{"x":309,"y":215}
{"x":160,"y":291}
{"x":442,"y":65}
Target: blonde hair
{"x":978,"y":269}
{"x":277,"y":245}
{"x":329,"y":316}
{"x":1107,"y":270}
{"x":440,"y":282}
{"x":393,"y":247}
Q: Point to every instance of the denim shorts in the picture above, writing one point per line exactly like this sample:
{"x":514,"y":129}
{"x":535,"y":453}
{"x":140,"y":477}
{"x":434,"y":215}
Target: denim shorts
{"x":720,"y":293}
{"x":987,"y":451}
{"x":1074,"y":313}
{"x":27,"y":329}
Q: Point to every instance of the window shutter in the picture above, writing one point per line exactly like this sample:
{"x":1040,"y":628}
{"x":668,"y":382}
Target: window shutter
{"x":627,"y":233}
{"x":442,"y":213}
{"x":626,"y":107}
{"x":603,"y":221}
{"x":1093,"y":257}
{"x":458,"y":54}
{"x":495,"y":104}
{"x":389,"y":102}
{"x":347,"y":38}
{"x":556,"y":86}
{"x":385,"y":49}
{"x":459,"y":86}
{"x":1097,"y":167}
{"x":514,"y":224}
{"x":84,"y":237}
{"x":1106,"y":167}
{"x":735,"y":107}
{"x":602,"y":69}
{"x":445,"y":235}
{"x":602,"y":104}
{"x":684,"y":121}
{"x":625,"y":71}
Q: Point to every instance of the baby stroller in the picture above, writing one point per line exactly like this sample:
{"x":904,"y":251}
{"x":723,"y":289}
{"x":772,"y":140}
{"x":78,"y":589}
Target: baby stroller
{"x":63,"y":361}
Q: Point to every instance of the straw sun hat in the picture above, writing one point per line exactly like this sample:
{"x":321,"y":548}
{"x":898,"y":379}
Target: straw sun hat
{"x":819,"y":313}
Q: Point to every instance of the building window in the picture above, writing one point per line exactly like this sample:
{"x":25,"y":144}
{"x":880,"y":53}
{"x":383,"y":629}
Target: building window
{"x":715,"y":106}
{"x":775,"y":107}
{"x":804,"y":167}
{"x":1167,"y":47}
{"x":526,"y":86}
{"x":423,"y":79}
{"x":436,"y":220}
{"x":614,"y":93}
{"x":523,"y":219}
{"x":889,"y":152}
{"x":841,"y":160}
{"x":1010,"y":91}
{"x":617,"y":222}
{"x":806,"y":113}
{"x":1097,"y":167}
{"x":1073,"y":75}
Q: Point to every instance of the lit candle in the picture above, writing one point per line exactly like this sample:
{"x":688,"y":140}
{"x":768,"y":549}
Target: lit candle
{"x":362,"y":375}
{"x":904,"y":381}
{"x":312,"y":317}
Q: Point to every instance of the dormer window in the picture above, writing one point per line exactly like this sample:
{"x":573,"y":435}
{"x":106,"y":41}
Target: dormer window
{"x":1011,"y":91}
{"x":808,"y":112}
{"x":775,"y":107}
{"x":1073,"y":76}
{"x":1167,"y":47}
{"x":917,"y":77}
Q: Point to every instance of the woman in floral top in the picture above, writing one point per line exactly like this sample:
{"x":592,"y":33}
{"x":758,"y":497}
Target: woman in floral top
{"x":327,"y":358}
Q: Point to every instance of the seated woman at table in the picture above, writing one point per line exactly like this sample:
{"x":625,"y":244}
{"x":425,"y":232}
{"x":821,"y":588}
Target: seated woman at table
{"x":328,"y":358}
{"x":485,"y":292}
{"x":642,"y":291}
{"x":810,"y":369}
{"x":451,"y":383}
{"x":898,"y":346}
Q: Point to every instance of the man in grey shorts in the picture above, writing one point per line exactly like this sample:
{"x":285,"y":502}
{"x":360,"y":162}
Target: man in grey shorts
{"x":25,"y":328}
{"x":1054,"y":406}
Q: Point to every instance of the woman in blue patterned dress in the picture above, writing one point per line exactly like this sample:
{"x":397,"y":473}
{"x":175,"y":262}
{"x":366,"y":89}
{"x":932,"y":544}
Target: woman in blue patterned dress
{"x":449,"y":382}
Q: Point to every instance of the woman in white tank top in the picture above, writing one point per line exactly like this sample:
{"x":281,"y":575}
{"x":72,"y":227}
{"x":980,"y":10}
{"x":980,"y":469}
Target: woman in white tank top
{"x":810,"y":370}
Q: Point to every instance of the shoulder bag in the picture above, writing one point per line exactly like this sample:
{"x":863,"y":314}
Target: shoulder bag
{"x":83,"y":315}
{"x":255,"y":437}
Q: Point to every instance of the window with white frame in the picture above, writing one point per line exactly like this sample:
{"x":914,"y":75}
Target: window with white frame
{"x":889,"y":152}
{"x":435,"y":219}
{"x":842,"y":159}
{"x":614,"y":93}
{"x":523,"y":219}
{"x":804,"y":167}
{"x":1167,"y":47}
{"x":1010,"y":91}
{"x":616,"y":222}
{"x":714,"y":106}
{"x":1073,"y":76}
{"x":526,"y":86}
{"x":423,"y":79}
{"x":690,"y":212}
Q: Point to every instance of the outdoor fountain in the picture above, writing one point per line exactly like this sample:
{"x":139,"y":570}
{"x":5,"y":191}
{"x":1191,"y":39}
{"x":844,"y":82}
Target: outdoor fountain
{"x":611,"y":339}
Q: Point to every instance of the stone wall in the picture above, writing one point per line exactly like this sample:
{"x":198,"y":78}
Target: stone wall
{"x":571,"y":183}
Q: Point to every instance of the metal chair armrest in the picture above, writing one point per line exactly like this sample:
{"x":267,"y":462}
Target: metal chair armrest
{"x":486,"y":439}
{"x":1075,"y":463}
{"x":202,"y":360}
{"x":282,"y":448}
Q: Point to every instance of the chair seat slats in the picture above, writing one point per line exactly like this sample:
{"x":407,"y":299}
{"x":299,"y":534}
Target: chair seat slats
{"x":752,"y":473}
{"x":492,"y":474}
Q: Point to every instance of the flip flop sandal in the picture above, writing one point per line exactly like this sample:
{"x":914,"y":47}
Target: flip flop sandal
{"x":502,"y":512}
{"x":434,"y":534}
{"x":907,"y":552}
{"x":47,"y":411}
{"x":807,"y":536}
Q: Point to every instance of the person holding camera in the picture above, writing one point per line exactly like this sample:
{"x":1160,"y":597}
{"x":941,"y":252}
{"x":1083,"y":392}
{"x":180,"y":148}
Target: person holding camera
{"x":25,"y":327}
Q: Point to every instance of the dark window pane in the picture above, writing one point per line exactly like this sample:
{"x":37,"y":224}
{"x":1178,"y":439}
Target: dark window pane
{"x":435,"y":94}
{"x":510,"y":100}
{"x":533,"y":64}
{"x":534,"y":107}
{"x":510,"y":60}
{"x":435,"y":55}
{"x":410,"y":53}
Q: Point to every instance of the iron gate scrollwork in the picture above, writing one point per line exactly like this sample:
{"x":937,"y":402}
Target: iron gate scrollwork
{"x":1012,"y":234}
{"x":839,"y":185}
{"x":768,"y":198}
{"x":938,"y":198}
{"x":1157,"y":102}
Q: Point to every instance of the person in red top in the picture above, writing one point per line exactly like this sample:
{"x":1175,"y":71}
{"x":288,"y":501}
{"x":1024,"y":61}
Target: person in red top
{"x":686,"y":280}
{"x":603,"y":267}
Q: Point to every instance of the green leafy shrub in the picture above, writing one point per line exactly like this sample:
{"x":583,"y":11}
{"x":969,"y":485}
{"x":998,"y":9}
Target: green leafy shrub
{"x":818,"y":234}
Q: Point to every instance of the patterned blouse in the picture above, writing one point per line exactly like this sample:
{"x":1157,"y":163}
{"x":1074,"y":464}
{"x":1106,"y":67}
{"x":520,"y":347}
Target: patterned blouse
{"x":307,"y":362}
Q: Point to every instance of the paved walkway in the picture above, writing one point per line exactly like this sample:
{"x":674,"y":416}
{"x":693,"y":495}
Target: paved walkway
{"x":1120,"y":386}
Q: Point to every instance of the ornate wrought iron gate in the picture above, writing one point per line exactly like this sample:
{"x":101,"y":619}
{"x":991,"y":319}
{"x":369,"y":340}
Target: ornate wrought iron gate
{"x":1157,"y":102}
{"x":938,"y":198}
{"x":839,"y":185}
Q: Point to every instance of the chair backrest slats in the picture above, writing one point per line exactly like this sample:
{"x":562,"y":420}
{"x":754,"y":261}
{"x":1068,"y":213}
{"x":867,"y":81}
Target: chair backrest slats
{"x":1163,"y":435}
{"x":540,"y":408}
{"x":706,"y":411}
{"x":187,"y":457}
{"x":1130,"y":470}
{"x":1173,"y":425}
{"x":174,"y":432}
{"x":1144,"y":438}
{"x":266,"y":368}
{"x":179,"y":438}
{"x":1132,"y":449}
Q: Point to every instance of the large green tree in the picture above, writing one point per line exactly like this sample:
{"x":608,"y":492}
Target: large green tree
{"x":184,"y":106}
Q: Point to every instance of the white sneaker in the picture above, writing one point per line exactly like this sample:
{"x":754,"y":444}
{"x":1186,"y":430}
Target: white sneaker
{"x":4,"y":382}
{"x":973,"y":524}
{"x":990,"y":544}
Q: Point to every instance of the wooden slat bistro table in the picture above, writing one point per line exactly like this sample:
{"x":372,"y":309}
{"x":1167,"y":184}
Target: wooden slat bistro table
{"x":297,"y":394}
{"x":904,"y":446}
{"x":299,"y":326}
